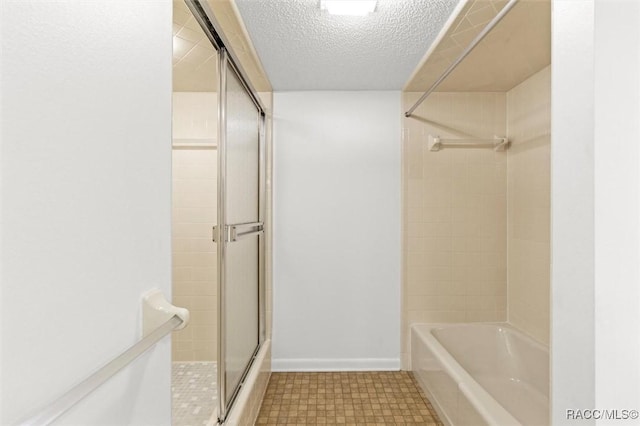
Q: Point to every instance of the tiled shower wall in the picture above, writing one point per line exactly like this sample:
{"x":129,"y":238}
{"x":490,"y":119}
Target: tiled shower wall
{"x":455,"y":213}
{"x":194,"y":254}
{"x":477,"y":222}
{"x":194,"y":213}
{"x":529,"y":177}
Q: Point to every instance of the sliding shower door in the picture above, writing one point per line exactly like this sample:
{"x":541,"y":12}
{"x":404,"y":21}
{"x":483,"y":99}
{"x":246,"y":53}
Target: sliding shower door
{"x":241,"y":161}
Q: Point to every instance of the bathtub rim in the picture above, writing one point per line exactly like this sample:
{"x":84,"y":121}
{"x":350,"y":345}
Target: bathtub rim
{"x":504,"y":324}
{"x":485,"y":404}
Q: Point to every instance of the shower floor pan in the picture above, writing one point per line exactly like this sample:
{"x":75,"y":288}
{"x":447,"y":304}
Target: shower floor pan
{"x":194,"y":393}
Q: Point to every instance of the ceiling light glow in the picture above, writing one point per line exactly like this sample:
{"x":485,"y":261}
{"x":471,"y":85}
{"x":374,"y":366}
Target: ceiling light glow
{"x":349,"y":7}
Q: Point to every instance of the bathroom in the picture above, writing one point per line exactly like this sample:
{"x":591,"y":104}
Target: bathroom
{"x":496,"y":199}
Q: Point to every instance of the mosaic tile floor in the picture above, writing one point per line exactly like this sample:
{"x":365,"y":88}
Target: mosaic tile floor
{"x":194,"y":392}
{"x":349,"y":398}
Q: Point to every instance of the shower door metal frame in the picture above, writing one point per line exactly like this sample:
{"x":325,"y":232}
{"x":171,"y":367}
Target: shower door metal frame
{"x":228,"y":62}
{"x":225,"y":401}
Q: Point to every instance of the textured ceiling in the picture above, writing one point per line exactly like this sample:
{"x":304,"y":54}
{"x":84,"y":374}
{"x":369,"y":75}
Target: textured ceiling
{"x":518,"y":47}
{"x":304,"y":48}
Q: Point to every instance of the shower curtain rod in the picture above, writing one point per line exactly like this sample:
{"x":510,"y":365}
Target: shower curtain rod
{"x":486,"y":30}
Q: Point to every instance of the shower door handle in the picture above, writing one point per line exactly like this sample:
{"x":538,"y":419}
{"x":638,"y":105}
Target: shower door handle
{"x":238,"y":231}
{"x":242,"y":230}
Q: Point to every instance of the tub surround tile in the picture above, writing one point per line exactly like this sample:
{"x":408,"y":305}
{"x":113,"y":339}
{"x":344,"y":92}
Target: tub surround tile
{"x":476,"y":222}
{"x":194,"y":254}
{"x":529,"y":188}
{"x":455,"y":201}
{"x":194,"y":209}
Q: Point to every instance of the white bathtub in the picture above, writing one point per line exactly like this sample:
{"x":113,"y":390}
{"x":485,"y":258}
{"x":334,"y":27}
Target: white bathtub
{"x":482,"y":374}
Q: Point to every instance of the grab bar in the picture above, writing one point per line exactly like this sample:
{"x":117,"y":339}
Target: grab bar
{"x":52,"y":411}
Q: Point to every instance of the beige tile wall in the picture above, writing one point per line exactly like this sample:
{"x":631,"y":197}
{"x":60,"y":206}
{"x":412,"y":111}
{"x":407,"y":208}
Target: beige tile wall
{"x":195,"y":118}
{"x":529,"y":120}
{"x":513,"y":51}
{"x":455,"y":212}
{"x":194,"y":213}
{"x":194,"y":254}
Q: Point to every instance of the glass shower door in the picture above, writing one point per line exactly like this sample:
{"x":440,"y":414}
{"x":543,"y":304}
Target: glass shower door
{"x":241,"y":226}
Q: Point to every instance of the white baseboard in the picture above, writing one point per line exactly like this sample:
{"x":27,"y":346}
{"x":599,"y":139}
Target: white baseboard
{"x":346,"y":364}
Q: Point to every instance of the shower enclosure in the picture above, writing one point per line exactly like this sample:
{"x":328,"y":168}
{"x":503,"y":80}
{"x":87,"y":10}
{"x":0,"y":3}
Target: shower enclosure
{"x":226,"y":157}
{"x":240,"y":229}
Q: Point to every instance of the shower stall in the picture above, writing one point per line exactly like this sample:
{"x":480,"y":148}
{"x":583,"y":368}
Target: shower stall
{"x":219,"y":175}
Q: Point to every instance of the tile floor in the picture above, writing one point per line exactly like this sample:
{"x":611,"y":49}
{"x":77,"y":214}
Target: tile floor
{"x":349,"y":398}
{"x":194,"y":392}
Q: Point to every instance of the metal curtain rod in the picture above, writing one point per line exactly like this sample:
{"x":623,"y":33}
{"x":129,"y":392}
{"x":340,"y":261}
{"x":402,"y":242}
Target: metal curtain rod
{"x":486,"y":30}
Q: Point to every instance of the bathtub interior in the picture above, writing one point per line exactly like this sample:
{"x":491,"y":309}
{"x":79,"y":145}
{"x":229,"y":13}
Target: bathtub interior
{"x":512,"y":368}
{"x":496,"y":350}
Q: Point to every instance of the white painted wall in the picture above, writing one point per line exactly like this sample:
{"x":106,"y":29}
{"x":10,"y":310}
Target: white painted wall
{"x":572,"y":209}
{"x":595,"y":207}
{"x":617,"y":208}
{"x":337,"y":230}
{"x":86,"y":164}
